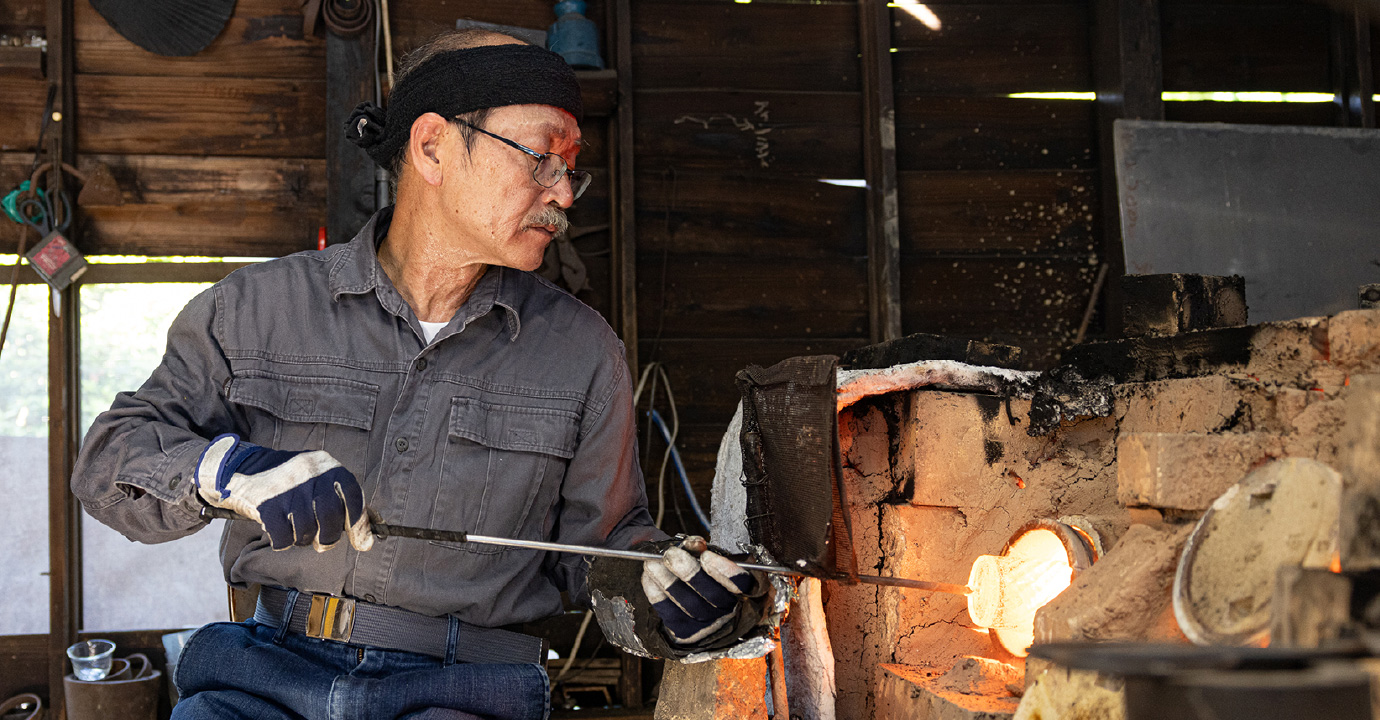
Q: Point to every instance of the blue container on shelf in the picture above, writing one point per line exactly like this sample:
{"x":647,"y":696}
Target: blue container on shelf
{"x":574,"y":36}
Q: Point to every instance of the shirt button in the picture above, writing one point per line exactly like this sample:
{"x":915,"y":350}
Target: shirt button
{"x":173,"y":483}
{"x":368,"y":598}
{"x":421,"y":364}
{"x":401,"y":444}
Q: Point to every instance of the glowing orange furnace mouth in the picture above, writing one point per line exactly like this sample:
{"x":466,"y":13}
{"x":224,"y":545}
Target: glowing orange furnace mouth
{"x":1039,"y":562}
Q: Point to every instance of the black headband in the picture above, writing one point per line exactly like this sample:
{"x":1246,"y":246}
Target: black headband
{"x":460,"y":81}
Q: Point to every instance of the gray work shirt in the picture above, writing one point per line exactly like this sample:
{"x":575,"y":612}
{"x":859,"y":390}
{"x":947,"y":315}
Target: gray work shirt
{"x":516,"y":421}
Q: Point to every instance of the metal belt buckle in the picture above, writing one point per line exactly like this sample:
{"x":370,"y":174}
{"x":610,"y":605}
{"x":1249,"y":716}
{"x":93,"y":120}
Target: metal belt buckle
{"x":331,"y":618}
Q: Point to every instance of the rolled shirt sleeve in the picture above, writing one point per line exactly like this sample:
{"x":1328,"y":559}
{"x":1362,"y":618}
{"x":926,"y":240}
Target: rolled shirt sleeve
{"x":134,"y":472}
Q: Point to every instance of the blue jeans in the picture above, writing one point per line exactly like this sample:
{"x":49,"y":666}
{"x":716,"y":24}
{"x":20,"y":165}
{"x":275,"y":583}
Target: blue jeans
{"x":249,"y":670}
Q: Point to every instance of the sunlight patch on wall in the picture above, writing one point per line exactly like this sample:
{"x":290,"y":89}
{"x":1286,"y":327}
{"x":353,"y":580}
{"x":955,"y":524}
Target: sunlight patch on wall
{"x":920,"y":12}
{"x":1259,"y":97}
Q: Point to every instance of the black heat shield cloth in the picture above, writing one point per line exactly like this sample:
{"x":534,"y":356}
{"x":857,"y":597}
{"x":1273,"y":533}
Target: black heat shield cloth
{"x":795,"y":496}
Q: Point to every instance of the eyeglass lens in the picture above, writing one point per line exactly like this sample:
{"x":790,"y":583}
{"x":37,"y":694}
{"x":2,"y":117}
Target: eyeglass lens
{"x":550,"y":169}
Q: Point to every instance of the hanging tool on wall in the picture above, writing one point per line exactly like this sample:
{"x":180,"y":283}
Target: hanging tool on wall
{"x":54,"y":258}
{"x":384,"y":530}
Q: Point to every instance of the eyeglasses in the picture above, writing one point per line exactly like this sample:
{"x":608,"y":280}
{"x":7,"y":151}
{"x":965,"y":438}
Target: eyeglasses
{"x":550,"y":166}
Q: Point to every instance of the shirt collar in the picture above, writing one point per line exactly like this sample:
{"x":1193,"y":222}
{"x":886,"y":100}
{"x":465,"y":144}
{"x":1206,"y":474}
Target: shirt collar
{"x":356,"y":271}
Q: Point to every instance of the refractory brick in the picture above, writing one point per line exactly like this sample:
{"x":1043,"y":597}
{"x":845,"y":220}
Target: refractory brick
{"x":1186,"y":405}
{"x":1186,"y":471}
{"x":1354,"y":340}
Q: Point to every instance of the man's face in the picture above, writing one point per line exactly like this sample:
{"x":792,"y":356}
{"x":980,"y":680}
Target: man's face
{"x":489,"y":195}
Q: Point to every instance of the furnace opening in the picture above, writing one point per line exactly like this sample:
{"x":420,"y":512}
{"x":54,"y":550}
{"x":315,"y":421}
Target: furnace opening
{"x":1038,"y":563}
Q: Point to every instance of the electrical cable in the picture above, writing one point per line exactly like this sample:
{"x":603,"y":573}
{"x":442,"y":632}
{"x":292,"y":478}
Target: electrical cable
{"x":670,"y":445}
{"x":680,"y":470}
{"x":14,"y":285}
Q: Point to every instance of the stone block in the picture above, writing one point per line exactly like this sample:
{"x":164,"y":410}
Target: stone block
{"x":1311,"y":421}
{"x":967,"y":451}
{"x":865,"y":448}
{"x":1174,"y":303}
{"x":1184,"y":471}
{"x":1060,"y":692}
{"x":933,"y":629}
{"x":1358,"y":458}
{"x":956,"y":448}
{"x":1188,"y":405}
{"x":714,"y":690}
{"x":1293,"y":352}
{"x":1123,"y":596}
{"x":1354,"y":340}
{"x":973,"y":690}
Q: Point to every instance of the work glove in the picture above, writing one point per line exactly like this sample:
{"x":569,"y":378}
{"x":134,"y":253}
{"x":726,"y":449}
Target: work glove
{"x":695,"y":591}
{"x":301,"y":497}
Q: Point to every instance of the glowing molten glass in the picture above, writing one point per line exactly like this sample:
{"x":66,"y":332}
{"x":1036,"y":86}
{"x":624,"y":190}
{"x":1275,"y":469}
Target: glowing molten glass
{"x":1008,"y":589}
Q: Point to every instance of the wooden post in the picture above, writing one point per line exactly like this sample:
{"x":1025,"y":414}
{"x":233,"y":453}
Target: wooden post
{"x":879,"y":168}
{"x":630,"y":681}
{"x":64,"y":517}
{"x":624,"y":255}
{"x":1129,"y":79}
{"x":349,"y":171}
{"x":1353,"y":77}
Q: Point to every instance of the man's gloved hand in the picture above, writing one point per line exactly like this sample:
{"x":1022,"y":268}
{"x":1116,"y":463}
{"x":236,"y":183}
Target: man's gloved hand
{"x":299,"y":497}
{"x":695,"y":591}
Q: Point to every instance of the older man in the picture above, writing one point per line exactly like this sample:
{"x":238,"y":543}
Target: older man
{"x":420,"y":373}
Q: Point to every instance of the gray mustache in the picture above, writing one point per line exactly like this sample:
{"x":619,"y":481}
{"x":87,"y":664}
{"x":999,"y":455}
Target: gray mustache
{"x":552,"y":216}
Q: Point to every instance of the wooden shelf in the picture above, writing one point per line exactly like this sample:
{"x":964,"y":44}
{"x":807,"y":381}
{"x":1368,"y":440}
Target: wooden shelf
{"x":21,"y":60}
{"x":600,"y":91}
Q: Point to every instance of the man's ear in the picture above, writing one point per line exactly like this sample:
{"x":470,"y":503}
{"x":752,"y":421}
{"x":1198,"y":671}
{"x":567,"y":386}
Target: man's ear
{"x":424,"y":146}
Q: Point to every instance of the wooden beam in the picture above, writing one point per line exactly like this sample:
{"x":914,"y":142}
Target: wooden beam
{"x":64,"y":520}
{"x":1353,"y":79}
{"x":140,"y":273}
{"x":624,"y":255}
{"x":879,"y":169}
{"x":349,"y":171}
{"x":1128,"y":75}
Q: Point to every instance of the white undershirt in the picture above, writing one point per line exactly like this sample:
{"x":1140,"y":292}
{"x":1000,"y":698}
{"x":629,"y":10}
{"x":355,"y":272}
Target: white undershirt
{"x":429,"y":329}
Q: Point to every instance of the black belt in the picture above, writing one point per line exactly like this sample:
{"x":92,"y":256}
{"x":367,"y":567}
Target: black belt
{"x":356,"y":622}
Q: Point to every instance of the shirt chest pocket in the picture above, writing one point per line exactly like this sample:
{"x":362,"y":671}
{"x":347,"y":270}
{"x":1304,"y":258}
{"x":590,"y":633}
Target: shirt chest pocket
{"x":287,"y":412}
{"x":501,"y":461}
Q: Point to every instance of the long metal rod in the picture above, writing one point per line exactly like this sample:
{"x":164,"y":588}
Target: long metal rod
{"x":384,"y":530}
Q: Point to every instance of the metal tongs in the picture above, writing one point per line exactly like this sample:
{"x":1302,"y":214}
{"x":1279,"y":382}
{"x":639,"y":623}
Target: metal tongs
{"x":385,"y":530}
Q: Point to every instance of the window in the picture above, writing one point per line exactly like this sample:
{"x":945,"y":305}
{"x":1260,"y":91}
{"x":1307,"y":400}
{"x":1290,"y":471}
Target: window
{"x":24,"y":464}
{"x":127,"y":585}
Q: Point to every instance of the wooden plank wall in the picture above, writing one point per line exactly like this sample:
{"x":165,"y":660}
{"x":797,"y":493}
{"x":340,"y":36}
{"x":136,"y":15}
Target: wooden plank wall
{"x":217,"y":154}
{"x":1260,"y":47}
{"x":998,"y":195}
{"x":743,"y":255}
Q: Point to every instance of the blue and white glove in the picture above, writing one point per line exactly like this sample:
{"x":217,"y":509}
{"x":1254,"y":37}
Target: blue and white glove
{"x":695,"y":591}
{"x":302,"y":497}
